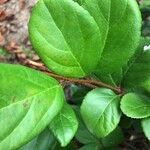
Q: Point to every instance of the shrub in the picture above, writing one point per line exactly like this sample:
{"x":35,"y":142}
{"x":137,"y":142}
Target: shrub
{"x":96,"y":43}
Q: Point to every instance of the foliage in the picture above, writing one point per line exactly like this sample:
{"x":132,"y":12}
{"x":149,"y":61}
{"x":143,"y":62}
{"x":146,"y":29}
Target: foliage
{"x":98,"y":40}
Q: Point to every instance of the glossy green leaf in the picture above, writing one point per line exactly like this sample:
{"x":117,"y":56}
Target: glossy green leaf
{"x":82,"y":134}
{"x":71,"y":146}
{"x":65,"y":36}
{"x":90,"y":147}
{"x":96,"y":146}
{"x":29,"y":100}
{"x":64,"y":125}
{"x":119,"y":22}
{"x":135,"y":105}
{"x":113,"y":139}
{"x":100,"y":111}
{"x":113,"y":79}
{"x":138,"y":74}
{"x":43,"y":141}
{"x":144,"y":41}
{"x":146,"y":127}
{"x":85,"y":137}
{"x":46,"y":141}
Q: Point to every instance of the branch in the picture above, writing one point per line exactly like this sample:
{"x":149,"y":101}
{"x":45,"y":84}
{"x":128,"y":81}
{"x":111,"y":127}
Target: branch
{"x":86,"y":82}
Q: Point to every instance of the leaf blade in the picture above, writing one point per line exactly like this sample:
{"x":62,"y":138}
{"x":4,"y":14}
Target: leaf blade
{"x":69,"y":49}
{"x":104,"y":102}
{"x":64,"y":125}
{"x":134,"y":77}
{"x":44,"y":140}
{"x":135,"y":105}
{"x":28,"y":112}
{"x":116,"y":31}
{"x":145,"y":125}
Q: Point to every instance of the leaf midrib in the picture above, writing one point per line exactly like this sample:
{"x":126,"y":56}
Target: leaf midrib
{"x":132,"y":108}
{"x":30,"y":96}
{"x":26,"y":113}
{"x":65,"y":40}
{"x":26,"y":79}
{"x":104,"y":110}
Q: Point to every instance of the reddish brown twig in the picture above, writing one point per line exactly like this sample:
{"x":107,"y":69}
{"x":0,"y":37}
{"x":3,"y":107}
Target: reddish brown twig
{"x":40,"y":66}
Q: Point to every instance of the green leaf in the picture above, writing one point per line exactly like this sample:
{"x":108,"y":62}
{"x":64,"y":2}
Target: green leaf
{"x":135,"y":105}
{"x":113,"y":139}
{"x":90,"y":147}
{"x":146,"y":127}
{"x":66,"y":37}
{"x":96,"y":146}
{"x":85,"y":137}
{"x":29,"y":100}
{"x":138,"y":74}
{"x":46,"y":141}
{"x":64,"y":125}
{"x":113,"y":79}
{"x":71,"y":146}
{"x":119,"y":22}
{"x":144,"y":41}
{"x":100,"y":111}
{"x":82,"y":134}
{"x":43,"y":141}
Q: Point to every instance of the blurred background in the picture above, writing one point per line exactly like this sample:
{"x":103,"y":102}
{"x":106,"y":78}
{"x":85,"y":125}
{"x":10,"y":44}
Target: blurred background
{"x":14,"y":16}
